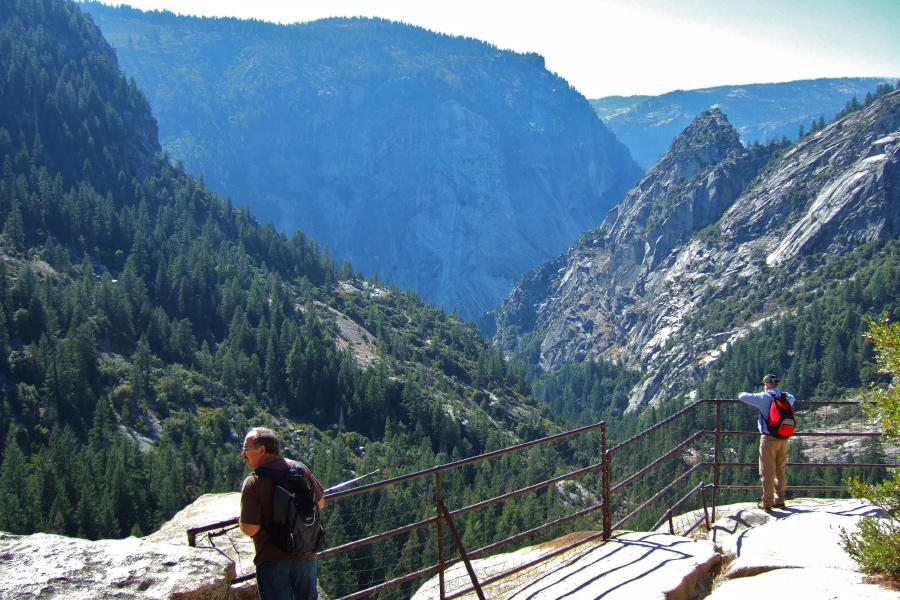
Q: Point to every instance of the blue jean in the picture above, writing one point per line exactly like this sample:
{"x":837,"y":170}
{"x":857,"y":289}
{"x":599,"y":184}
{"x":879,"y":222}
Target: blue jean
{"x":287,"y":580}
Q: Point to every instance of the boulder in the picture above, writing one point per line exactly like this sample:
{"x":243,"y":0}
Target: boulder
{"x":53,"y":566}
{"x":227,"y":540}
{"x":795,"y":550}
{"x":160,"y":565}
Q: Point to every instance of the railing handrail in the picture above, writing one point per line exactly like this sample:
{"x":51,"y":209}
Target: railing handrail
{"x":460,"y":463}
{"x":694,"y":405}
{"x":445,"y":516}
{"x":657,"y":458}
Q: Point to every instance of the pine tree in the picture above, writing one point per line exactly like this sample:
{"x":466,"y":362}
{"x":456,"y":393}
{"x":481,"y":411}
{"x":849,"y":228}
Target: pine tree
{"x":13,"y":497}
{"x":876,"y":546}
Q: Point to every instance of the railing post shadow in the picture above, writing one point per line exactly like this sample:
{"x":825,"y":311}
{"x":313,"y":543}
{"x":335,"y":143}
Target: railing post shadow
{"x":705,"y":512}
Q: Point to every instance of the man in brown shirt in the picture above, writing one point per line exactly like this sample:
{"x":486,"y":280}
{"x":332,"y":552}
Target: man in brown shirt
{"x":278,"y":575}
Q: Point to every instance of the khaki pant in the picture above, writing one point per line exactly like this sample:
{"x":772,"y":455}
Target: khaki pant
{"x":773,"y":455}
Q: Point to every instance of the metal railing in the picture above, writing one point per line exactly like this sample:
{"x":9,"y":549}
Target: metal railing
{"x":662,"y":468}
{"x":444,"y":517}
{"x":643,"y":482}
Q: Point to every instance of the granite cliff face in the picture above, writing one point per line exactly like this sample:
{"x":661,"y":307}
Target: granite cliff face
{"x":709,"y":220}
{"x":444,"y":164}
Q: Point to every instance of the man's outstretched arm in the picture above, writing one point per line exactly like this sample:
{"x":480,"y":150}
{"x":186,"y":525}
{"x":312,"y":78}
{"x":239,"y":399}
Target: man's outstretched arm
{"x":248,"y":529}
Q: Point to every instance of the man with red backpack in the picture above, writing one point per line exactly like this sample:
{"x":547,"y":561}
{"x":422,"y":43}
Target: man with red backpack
{"x":776,"y":424}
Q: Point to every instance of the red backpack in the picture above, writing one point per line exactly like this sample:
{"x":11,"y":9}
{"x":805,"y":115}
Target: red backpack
{"x":781,"y":417}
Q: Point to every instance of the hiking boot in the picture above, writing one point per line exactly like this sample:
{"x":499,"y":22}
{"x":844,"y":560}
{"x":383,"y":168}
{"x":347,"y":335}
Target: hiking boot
{"x":778,"y":505}
{"x":763,"y":506}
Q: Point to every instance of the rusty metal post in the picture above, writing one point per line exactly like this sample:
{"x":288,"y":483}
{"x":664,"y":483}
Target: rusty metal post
{"x":439,"y":501}
{"x":605,"y":484}
{"x":462,"y":551}
{"x":715,"y":490}
{"x":705,"y":508}
{"x":193,"y":531}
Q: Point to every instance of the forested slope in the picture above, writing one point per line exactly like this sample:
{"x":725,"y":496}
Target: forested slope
{"x":145,"y":323}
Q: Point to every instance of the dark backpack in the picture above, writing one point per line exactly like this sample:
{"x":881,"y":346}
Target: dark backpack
{"x":296,"y":523}
{"x":780,"y":422}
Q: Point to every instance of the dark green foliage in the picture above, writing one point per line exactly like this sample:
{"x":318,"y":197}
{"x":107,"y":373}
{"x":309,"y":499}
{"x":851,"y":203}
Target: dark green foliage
{"x":854,"y":105}
{"x":587,"y":392}
{"x":62,"y":88}
{"x":876,"y":546}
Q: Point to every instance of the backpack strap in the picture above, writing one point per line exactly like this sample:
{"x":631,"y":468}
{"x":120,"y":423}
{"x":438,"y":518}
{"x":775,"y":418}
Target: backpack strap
{"x":279,"y":474}
{"x":276,"y":474}
{"x":783,"y":396}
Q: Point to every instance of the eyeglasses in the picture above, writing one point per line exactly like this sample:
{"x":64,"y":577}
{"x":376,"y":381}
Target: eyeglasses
{"x":245,"y":449}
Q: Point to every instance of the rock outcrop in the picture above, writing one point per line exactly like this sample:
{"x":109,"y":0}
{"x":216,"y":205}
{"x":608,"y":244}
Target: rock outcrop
{"x":443,"y":164}
{"x":797,"y":546}
{"x":795,"y":551}
{"x":159,"y":566}
{"x":52,"y":566}
{"x":710,"y":214}
{"x":649,"y":566}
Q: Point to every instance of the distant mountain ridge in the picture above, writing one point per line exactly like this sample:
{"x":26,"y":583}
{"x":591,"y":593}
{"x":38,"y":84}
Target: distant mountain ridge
{"x":760,"y":112}
{"x":712,"y":224}
{"x":444,"y":164}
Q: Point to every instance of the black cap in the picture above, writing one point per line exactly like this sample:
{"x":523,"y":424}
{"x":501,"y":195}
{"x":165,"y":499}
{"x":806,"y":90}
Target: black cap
{"x":771,"y":380}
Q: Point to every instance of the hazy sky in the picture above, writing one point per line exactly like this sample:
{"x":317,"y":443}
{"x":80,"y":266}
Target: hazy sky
{"x":628,"y":47}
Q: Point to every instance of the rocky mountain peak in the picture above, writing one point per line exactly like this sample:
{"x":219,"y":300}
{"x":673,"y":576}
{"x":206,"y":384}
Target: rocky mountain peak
{"x":704,"y":224}
{"x":708,"y":133}
{"x":707,"y":141}
{"x":601,"y":288}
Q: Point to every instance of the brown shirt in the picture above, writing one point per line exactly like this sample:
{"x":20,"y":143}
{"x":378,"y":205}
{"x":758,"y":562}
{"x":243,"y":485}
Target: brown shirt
{"x":257,"y":497}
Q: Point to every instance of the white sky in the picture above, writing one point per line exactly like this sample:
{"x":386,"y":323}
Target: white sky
{"x":628,"y":47}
